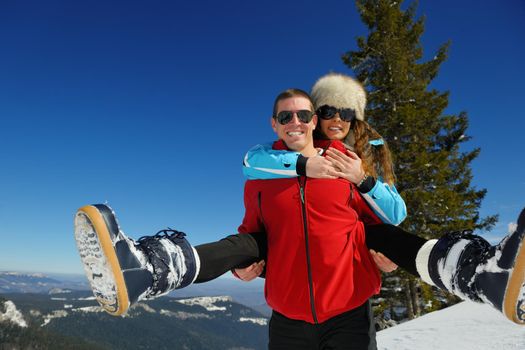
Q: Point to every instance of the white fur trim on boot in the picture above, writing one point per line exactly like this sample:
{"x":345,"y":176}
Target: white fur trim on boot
{"x":197,"y":263}
{"x":422,"y":261}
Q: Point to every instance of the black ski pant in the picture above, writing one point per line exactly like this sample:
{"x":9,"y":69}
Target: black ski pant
{"x":396,"y":244}
{"x":241,"y":250}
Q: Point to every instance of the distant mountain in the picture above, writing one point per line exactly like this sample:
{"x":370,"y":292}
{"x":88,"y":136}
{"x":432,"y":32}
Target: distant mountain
{"x":17,"y":282}
{"x":164,"y":323}
{"x":15,"y":334}
{"x":250,"y":294}
{"x":63,"y":306}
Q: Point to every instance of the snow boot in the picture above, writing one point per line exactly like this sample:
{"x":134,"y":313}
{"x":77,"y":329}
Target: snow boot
{"x":469,"y":267}
{"x":122,"y":271}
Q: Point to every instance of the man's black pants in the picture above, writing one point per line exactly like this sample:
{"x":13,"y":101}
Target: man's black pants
{"x":347,"y":331}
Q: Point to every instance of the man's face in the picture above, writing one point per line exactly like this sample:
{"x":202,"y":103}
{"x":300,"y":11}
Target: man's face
{"x":296,"y":135}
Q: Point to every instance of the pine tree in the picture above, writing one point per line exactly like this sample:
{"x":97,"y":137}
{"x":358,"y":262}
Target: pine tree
{"x":433,"y":174}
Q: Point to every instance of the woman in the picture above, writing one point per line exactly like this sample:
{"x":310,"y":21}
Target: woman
{"x":340,"y":103}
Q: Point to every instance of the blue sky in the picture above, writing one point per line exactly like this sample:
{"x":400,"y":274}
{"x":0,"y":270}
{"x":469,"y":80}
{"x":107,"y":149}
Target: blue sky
{"x":151,"y":106}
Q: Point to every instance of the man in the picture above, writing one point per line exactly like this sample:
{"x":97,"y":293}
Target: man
{"x":319,"y":273}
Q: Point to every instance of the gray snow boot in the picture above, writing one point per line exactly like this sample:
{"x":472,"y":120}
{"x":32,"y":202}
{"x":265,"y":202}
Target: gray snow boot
{"x":122,"y":271}
{"x":472,"y":269}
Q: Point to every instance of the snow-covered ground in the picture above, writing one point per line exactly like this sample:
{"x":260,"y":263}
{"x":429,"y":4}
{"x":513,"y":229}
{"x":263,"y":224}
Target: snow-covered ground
{"x":207,"y":302}
{"x":11,"y":314}
{"x":465,"y":326}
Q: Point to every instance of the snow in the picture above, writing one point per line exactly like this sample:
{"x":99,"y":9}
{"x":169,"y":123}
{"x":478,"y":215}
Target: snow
{"x":12,"y":315}
{"x":145,"y":307}
{"x":20,"y":274}
{"x":88,"y":309}
{"x":207,"y":302}
{"x":59,"y":291}
{"x":465,"y":326}
{"x":35,"y":313}
{"x":183,"y":315}
{"x":260,"y":321}
{"x":53,"y":315}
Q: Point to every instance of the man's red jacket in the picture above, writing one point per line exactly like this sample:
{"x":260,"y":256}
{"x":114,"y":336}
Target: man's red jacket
{"x":318,"y":264}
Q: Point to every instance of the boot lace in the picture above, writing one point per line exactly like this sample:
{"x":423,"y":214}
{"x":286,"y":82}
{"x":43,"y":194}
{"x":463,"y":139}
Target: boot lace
{"x":166,"y":233}
{"x":158,"y":258}
{"x":461,"y":233}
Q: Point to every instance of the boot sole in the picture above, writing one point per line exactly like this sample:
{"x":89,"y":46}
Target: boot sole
{"x":93,"y":237}
{"x":514,"y":305}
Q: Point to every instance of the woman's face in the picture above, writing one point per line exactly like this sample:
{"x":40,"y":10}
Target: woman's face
{"x":335,"y":128}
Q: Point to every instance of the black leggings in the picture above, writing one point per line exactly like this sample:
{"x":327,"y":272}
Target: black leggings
{"x":241,"y":250}
{"x":396,"y":244}
{"x":235,"y":251}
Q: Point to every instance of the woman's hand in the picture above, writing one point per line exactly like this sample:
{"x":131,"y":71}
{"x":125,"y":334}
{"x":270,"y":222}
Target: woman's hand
{"x":251,"y":272}
{"x":383,"y":263}
{"x":319,"y":167}
{"x":349,"y":164}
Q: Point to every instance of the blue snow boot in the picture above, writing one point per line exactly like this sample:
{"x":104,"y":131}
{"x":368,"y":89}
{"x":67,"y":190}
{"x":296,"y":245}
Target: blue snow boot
{"x":122,"y":271}
{"x":469,"y":267}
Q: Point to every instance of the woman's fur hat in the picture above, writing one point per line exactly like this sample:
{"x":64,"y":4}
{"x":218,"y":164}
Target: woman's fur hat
{"x":340,"y":91}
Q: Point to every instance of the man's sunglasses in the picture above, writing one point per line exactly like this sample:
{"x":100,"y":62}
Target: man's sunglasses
{"x":328,"y":112}
{"x":284,"y":117}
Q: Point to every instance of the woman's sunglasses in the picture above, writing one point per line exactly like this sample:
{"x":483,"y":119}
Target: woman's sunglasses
{"x":328,"y":112}
{"x":284,"y":117}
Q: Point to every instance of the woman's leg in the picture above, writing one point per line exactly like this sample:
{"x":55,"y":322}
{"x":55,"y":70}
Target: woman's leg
{"x":122,"y":271}
{"x":396,"y":244}
{"x":463,"y":264}
{"x":238,"y":250}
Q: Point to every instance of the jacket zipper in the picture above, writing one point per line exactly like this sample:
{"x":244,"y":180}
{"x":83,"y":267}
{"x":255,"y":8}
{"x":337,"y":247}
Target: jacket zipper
{"x":302,"y":184}
{"x":259,"y":200}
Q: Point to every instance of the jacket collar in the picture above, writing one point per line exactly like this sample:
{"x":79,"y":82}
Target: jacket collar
{"x":324,"y":144}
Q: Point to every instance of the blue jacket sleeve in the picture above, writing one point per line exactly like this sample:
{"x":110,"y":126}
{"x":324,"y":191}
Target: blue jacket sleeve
{"x":386,"y":203}
{"x":263,"y":162}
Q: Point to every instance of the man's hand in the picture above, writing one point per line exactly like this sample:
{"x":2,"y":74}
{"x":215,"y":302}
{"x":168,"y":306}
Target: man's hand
{"x":320,"y":168}
{"x":349,"y":164}
{"x":251,"y":272}
{"x":383,"y":263}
